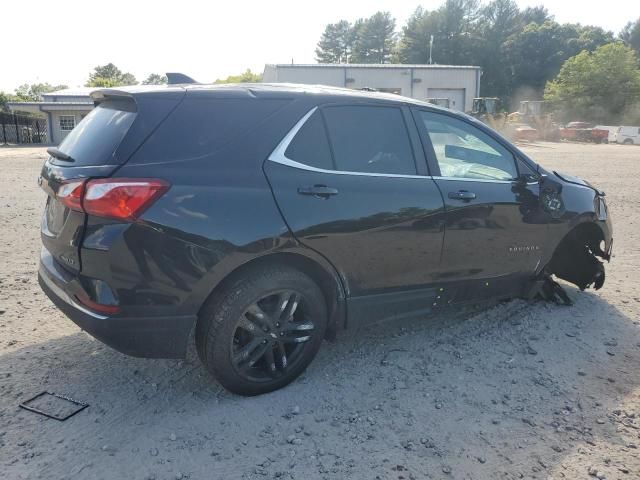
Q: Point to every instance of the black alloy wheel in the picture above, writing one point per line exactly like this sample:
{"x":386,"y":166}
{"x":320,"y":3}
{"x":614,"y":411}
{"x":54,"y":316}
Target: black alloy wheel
{"x":270,"y":336}
{"x":259,"y":333}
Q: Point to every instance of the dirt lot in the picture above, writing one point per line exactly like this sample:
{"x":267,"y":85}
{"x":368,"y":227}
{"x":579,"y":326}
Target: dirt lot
{"x":516,"y":391}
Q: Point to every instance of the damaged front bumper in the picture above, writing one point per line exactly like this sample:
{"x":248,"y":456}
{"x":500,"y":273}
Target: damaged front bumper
{"x":579,"y":266}
{"x":579,"y":257}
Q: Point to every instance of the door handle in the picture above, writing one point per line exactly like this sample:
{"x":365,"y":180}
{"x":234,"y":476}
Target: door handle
{"x":320,"y":191}
{"x":462,"y":195}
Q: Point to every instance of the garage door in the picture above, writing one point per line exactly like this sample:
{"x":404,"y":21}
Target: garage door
{"x":455,"y":96}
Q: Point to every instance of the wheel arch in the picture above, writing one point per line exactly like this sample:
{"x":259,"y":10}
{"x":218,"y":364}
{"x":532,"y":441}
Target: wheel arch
{"x":586,"y":230}
{"x":574,"y":257}
{"x":322,"y":273}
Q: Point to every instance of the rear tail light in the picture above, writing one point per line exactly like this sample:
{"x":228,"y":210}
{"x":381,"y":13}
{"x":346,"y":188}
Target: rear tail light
{"x":120,"y":198}
{"x":70,"y":194}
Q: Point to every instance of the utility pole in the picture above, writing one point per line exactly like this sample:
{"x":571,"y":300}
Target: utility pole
{"x":430,"y":50}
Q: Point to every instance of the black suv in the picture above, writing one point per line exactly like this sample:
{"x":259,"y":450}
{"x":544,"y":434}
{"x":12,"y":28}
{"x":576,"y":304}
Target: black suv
{"x":260,"y":219}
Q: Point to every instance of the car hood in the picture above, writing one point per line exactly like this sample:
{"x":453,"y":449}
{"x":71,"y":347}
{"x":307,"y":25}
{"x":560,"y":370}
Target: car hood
{"x":576,"y":181}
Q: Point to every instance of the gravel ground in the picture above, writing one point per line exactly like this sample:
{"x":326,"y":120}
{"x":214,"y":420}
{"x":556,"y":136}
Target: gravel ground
{"x":515,"y":391}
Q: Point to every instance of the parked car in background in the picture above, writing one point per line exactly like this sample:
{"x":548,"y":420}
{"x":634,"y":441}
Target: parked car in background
{"x":628,"y":135}
{"x":584,"y":132}
{"x":611,"y":132}
{"x":522,"y":132}
{"x":260,"y":219}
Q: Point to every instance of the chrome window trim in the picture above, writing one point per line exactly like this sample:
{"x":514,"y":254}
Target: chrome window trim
{"x":292,"y":163}
{"x":465,"y":179}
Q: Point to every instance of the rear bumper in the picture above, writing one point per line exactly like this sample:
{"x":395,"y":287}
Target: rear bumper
{"x":151,"y":337}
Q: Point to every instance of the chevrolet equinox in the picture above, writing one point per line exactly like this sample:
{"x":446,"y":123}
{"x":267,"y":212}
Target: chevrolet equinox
{"x":256,"y":220}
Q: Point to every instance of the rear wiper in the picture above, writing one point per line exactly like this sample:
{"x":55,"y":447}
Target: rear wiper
{"x":60,"y":155}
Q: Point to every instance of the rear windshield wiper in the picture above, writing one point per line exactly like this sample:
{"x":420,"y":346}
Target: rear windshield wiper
{"x":60,"y":155}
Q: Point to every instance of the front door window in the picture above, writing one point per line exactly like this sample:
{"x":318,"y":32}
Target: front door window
{"x":464,"y":151}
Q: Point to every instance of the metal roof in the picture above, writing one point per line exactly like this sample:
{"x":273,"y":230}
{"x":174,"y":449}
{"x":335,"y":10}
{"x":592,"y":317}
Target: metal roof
{"x":47,"y":104}
{"x":373,"y":65}
{"x":71,"y":92}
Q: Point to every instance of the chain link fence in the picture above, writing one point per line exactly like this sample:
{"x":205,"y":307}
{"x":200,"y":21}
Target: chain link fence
{"x":22,"y":129}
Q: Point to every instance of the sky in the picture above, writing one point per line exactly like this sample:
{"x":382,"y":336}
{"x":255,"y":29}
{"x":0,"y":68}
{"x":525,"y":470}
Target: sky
{"x":60,"y":42}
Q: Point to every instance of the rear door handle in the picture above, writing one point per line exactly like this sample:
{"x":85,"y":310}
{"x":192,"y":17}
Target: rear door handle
{"x":320,"y":191}
{"x":462,"y":195}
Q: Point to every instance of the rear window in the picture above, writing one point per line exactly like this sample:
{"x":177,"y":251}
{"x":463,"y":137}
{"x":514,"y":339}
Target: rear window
{"x":94,"y":140}
{"x":202,"y":124}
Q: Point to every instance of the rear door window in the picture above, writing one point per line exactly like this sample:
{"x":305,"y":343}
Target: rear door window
{"x":95,"y":139}
{"x":310,"y":146}
{"x":370,"y":139}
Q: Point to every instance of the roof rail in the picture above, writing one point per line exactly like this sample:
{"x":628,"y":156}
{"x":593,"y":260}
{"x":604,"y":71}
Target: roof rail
{"x":177,"y":78}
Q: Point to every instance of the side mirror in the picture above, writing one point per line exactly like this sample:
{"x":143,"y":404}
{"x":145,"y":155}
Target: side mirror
{"x":527,"y":178}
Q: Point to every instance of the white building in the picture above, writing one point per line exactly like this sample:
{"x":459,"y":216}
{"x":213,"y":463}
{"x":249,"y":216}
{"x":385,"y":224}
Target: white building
{"x":63,"y":110}
{"x":460,"y":84}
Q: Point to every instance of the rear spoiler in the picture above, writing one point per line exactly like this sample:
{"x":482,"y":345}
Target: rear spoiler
{"x":103,"y":94}
{"x":128,"y":93}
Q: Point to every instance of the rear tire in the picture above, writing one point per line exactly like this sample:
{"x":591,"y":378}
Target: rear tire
{"x":260,"y":332}
{"x":628,"y":141}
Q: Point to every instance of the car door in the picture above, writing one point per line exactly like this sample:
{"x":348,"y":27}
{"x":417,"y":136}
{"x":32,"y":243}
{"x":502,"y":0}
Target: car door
{"x":348,"y":185}
{"x":494,"y":227}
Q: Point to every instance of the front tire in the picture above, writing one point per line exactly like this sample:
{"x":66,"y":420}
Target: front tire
{"x":260,"y":332}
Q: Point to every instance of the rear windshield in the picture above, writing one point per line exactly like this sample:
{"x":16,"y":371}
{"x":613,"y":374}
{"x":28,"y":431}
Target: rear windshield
{"x":94,"y":140}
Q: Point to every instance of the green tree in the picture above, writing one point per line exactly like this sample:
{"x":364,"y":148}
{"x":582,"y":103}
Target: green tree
{"x":374,"y":39}
{"x":33,"y":92}
{"x":518,"y":50}
{"x":246,"y":77}
{"x":602,"y":86}
{"x":413,"y":46}
{"x":454,"y":27}
{"x":630,"y":35}
{"x":457,"y":38}
{"x":5,"y":98}
{"x":110,"y":76}
{"x":155,"y":79}
{"x":537,"y":14}
{"x":499,"y":20}
{"x":128,"y":79}
{"x":590,"y":37}
{"x":336,"y":43}
{"x":535,"y":54}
